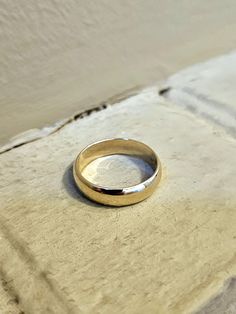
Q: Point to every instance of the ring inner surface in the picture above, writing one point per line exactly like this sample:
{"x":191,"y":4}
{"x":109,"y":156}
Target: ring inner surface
{"x":130,"y":148}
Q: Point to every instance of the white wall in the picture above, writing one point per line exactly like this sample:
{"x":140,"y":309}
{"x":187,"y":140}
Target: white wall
{"x":58,"y":57}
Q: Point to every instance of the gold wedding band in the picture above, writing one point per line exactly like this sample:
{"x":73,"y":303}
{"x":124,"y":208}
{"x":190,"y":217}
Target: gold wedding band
{"x":117,"y":196}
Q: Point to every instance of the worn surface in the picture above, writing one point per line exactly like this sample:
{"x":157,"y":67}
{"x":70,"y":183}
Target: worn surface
{"x":208,"y":91}
{"x":60,"y":57}
{"x":173,"y":253}
{"x":224,"y":302}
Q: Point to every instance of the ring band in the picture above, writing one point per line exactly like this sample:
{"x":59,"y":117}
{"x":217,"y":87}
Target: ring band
{"x":117,"y":196}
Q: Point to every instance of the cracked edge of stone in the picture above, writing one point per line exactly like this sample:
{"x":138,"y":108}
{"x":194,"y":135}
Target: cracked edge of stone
{"x":202,"y":106}
{"x":164,"y":91}
{"x":37,"y":134}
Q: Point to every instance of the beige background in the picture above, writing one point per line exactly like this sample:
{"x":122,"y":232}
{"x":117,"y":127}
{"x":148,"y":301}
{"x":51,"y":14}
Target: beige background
{"x":58,"y":57}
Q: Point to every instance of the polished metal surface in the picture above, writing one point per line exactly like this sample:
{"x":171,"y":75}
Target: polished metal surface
{"x":117,"y":196}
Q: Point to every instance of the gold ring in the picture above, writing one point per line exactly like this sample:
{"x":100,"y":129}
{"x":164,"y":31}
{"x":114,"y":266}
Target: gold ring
{"x":117,"y":196}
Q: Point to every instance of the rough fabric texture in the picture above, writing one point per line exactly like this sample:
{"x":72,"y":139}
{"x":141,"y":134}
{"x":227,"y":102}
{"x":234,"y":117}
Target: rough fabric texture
{"x":172,"y":253}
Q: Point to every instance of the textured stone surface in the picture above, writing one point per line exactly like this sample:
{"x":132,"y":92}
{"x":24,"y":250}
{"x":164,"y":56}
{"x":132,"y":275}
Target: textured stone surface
{"x":224,"y":302}
{"x":208,"y":91}
{"x":60,"y":57}
{"x":173,"y":253}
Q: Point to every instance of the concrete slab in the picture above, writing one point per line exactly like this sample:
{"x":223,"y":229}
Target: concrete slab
{"x":172,"y":253}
